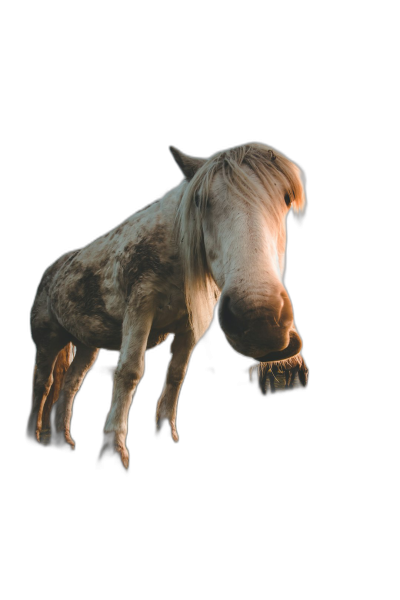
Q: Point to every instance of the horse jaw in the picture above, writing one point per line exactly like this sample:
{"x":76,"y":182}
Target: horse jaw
{"x":290,"y":349}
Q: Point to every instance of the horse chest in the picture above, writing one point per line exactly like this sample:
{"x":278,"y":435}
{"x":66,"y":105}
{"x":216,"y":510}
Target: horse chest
{"x":170,"y":312}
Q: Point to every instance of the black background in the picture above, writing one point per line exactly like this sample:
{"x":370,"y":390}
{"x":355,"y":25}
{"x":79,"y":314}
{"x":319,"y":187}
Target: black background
{"x":90,"y":148}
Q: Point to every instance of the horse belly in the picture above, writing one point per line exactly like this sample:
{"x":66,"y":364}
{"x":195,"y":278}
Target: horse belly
{"x":98,"y":330}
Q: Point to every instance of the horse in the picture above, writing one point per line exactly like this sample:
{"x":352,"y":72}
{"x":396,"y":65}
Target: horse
{"x":219,"y":235}
{"x":290,"y":367}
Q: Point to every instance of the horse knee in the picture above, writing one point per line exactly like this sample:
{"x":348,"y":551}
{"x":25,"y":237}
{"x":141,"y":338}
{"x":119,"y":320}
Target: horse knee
{"x":129,"y":375}
{"x":175,"y":377}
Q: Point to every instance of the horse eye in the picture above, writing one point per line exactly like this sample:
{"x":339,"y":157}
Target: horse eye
{"x":288,"y":200}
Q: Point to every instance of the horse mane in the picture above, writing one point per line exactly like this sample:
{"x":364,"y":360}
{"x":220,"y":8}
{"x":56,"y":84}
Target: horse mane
{"x":271,"y":168}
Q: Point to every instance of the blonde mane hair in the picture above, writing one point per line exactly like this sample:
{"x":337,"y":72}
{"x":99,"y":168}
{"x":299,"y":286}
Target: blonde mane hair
{"x":272,"y":169}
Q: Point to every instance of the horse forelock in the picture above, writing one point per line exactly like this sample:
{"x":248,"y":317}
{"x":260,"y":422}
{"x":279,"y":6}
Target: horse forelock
{"x":237,"y":166}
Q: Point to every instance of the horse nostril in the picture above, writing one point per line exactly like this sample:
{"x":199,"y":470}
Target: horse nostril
{"x":230,"y":323}
{"x":265,"y":322}
{"x":286,"y":314}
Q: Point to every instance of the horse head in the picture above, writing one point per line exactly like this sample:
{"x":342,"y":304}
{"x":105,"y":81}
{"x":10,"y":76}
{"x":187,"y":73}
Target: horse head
{"x":233,"y":217}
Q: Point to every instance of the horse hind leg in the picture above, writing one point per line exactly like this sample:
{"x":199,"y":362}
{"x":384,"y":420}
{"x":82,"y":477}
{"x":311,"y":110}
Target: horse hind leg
{"x":46,"y":356}
{"x":84,"y":359}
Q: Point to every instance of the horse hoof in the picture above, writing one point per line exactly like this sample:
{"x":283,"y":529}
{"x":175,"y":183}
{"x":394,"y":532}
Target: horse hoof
{"x":33,"y":433}
{"x":114,"y":458}
{"x":113,"y":454}
{"x":174,"y":432}
{"x":165,"y":429}
{"x":33,"y":436}
{"x":62,"y":440}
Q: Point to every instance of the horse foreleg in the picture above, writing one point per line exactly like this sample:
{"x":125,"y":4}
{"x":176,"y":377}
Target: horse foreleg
{"x":135,"y":332}
{"x":84,"y":359}
{"x":167,"y":405}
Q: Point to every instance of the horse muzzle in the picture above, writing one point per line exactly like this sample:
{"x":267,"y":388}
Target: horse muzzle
{"x":266,"y":334}
{"x":291,"y":349}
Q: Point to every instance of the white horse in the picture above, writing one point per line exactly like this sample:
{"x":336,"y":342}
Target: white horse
{"x":220,"y":232}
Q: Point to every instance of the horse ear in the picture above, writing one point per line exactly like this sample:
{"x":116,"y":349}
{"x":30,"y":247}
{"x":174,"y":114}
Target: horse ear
{"x":189,"y":165}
